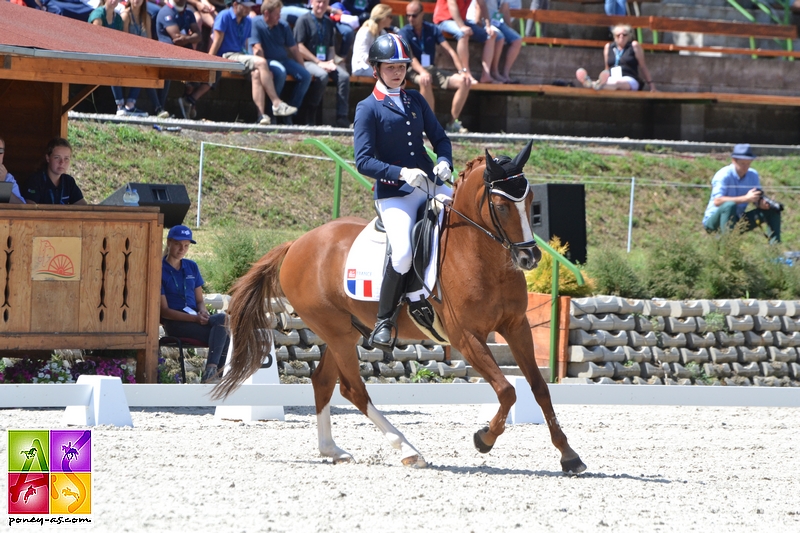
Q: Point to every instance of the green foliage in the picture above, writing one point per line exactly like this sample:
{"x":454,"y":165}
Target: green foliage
{"x":540,"y":279}
{"x":679,"y":259}
{"x":715,"y":321}
{"x":612,"y":274}
{"x":423,"y":375}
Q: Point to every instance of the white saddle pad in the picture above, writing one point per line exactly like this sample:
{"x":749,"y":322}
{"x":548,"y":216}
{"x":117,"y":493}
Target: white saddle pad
{"x":363,"y":269}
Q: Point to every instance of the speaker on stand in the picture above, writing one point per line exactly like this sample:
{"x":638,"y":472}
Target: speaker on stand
{"x":560,"y":210}
{"x":172,"y":200}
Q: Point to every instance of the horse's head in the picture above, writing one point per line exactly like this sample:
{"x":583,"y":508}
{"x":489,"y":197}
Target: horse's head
{"x":505,"y":205}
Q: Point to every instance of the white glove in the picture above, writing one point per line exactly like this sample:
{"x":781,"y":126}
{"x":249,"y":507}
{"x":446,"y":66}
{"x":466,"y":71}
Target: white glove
{"x":442,"y":171}
{"x":441,"y":200}
{"x":413,"y":176}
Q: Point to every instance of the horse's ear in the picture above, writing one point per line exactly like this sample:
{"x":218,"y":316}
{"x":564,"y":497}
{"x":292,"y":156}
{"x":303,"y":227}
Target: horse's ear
{"x":493,"y":170}
{"x":523,"y":156}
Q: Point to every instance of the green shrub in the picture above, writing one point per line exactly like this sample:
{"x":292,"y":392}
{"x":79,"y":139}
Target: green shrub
{"x":612,"y":273}
{"x":540,"y":279}
{"x":673,"y":268}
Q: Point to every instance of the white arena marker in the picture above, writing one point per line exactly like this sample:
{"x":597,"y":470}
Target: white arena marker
{"x":266,"y":375}
{"x":107,"y":404}
{"x":524,"y":411}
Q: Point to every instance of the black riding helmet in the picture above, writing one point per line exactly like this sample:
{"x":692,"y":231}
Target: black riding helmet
{"x":389,"y":48}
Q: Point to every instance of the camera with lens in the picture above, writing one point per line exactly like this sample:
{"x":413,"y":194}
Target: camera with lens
{"x":777,"y":206}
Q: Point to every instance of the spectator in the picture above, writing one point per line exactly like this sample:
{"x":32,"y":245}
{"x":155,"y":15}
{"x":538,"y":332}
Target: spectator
{"x":451,"y":16}
{"x":53,"y":185}
{"x":135,"y":20}
{"x":535,"y":4}
{"x":616,"y":7}
{"x":176,"y":24}
{"x":422,"y":37}
{"x":733,"y":188}
{"x":623,"y":59}
{"x":183,"y":312}
{"x":273,"y":40}
{"x":500,"y":17}
{"x":205,"y":12}
{"x":5,"y":175}
{"x":314,"y":35}
{"x":345,"y":24}
{"x":375,"y":25}
{"x":107,"y":17}
{"x":232,"y":30}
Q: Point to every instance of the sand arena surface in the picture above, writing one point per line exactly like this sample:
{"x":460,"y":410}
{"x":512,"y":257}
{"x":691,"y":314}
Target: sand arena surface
{"x":649,"y":469}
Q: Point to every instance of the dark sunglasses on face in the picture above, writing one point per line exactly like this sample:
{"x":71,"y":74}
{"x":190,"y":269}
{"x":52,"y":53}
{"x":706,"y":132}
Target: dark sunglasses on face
{"x":412,"y":15}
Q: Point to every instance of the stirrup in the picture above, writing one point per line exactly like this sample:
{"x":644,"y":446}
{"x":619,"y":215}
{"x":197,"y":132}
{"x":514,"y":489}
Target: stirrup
{"x":385,"y":323}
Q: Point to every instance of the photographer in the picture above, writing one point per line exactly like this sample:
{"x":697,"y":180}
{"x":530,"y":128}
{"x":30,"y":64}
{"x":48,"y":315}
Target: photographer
{"x":736,"y":192}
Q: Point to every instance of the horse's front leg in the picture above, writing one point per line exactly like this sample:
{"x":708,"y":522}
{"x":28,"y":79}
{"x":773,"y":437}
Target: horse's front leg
{"x":479,"y":356}
{"x":520,"y":340}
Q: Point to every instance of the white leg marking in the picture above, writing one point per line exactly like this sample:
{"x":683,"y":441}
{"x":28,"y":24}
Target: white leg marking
{"x":327,"y":447}
{"x":395,"y":438}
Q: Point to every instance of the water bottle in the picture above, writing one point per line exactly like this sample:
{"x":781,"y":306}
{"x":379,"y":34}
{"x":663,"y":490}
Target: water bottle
{"x":135,"y":197}
{"x":128,"y":198}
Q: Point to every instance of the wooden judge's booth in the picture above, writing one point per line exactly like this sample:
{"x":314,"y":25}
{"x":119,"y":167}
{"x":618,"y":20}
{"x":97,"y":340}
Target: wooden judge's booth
{"x":79,"y":277}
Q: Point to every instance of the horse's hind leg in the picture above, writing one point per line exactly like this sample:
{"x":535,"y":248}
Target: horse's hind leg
{"x":521,"y":344}
{"x":324,"y":381}
{"x":354,"y":390}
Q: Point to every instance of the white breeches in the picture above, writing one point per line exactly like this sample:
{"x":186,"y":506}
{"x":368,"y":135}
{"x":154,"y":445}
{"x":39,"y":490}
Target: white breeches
{"x":399,"y":215}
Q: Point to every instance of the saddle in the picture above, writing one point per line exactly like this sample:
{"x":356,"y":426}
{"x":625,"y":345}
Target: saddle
{"x":368,"y":256}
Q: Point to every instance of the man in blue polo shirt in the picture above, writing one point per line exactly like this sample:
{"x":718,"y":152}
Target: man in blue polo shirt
{"x":422,"y":37}
{"x":232,"y":30}
{"x":734,"y":190}
{"x":273,"y":40}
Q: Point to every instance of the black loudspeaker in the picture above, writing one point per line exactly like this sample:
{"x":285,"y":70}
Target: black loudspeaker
{"x":560,"y":210}
{"x":172,"y":200}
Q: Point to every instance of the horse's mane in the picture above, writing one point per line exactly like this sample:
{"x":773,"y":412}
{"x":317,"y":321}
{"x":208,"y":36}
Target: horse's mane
{"x":462,"y":176}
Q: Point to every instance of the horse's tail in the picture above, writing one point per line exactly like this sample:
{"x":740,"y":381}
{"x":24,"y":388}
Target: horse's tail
{"x":250,"y":319}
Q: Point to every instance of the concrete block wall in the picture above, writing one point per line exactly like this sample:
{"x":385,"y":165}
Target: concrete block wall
{"x":695,"y":342}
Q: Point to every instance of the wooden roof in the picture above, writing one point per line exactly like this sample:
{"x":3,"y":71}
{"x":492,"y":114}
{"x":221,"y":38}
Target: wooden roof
{"x":43,"y":47}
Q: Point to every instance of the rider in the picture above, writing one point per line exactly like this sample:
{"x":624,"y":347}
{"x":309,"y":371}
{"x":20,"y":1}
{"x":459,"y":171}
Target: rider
{"x":389,"y":147}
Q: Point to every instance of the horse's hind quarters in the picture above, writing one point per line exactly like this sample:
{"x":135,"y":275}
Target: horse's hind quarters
{"x":573,"y":466}
{"x":414,"y":461}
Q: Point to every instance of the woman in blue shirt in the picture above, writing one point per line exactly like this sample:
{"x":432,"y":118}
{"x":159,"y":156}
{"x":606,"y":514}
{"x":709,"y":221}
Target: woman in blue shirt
{"x":183,"y":313}
{"x":388,"y":138}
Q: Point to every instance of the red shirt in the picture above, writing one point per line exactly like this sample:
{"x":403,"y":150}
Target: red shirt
{"x":441,"y":12}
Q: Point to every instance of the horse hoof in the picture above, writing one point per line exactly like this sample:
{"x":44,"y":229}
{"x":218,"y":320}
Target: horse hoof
{"x":478,"y":441}
{"x":343,"y":459}
{"x":414,"y":461}
{"x":573,"y":466}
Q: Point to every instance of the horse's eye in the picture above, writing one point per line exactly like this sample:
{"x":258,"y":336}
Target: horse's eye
{"x":501,"y":208}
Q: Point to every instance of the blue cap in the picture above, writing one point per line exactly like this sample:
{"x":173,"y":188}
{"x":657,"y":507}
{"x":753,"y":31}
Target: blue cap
{"x":180,"y":233}
{"x":742,"y":151}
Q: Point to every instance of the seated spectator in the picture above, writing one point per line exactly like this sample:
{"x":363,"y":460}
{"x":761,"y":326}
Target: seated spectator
{"x":500,"y":16}
{"x":314,"y":35}
{"x":345,"y":24}
{"x":616,"y":7}
{"x":74,"y":9}
{"x":623,"y":59}
{"x":183,"y":311}
{"x":734,"y":189}
{"x":535,"y":4}
{"x":375,"y":25}
{"x":451,"y":16}
{"x":53,"y":185}
{"x":273,"y":40}
{"x":205,"y":12}
{"x":232,"y":30}
{"x":422,"y":37}
{"x":136,"y":21}
{"x":177,"y":25}
{"x":5,"y":175}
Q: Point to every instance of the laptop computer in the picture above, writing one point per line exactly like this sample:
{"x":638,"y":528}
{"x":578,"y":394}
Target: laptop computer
{"x":5,"y":191}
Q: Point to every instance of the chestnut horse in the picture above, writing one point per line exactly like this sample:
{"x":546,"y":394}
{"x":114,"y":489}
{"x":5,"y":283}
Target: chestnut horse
{"x":486,"y":242}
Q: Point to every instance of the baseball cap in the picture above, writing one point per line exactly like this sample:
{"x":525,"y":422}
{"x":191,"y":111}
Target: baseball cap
{"x":180,"y":233}
{"x":743,"y":151}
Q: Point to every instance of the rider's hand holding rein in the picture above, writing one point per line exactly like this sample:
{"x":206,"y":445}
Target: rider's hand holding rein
{"x":443,"y":172}
{"x":413,"y":176}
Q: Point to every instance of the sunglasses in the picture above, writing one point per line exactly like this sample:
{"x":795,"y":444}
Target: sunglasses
{"x":412,"y":15}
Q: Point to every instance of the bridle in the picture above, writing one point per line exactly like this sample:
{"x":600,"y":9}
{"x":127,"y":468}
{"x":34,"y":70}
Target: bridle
{"x":500,"y":234}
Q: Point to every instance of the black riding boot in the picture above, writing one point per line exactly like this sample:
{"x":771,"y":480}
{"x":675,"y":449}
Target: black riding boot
{"x":391,"y":290}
